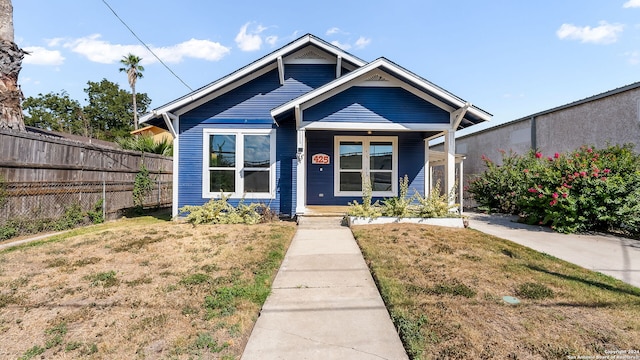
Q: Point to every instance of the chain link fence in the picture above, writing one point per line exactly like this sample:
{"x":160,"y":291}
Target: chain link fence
{"x":30,"y":207}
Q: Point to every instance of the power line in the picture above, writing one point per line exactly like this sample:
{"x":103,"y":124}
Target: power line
{"x":145,"y":45}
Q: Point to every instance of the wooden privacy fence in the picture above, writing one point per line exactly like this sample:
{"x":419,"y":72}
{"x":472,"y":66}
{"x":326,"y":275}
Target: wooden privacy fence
{"x":43,"y":176}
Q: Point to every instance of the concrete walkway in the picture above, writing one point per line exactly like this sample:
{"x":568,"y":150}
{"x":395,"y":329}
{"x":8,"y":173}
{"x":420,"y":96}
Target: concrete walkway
{"x":324,"y":303}
{"x":614,"y":256}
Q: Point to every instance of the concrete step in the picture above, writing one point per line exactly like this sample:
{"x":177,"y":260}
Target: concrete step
{"x":320,"y":222}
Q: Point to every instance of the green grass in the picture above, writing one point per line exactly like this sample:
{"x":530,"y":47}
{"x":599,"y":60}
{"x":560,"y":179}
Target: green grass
{"x":444,"y":288}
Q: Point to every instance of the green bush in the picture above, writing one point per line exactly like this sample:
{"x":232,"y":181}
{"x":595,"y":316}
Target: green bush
{"x":403,"y":206}
{"x":142,"y":186}
{"x":219,"y":211}
{"x":588,"y":189}
{"x":435,"y":205}
{"x":367,"y":208}
{"x":399,"y":206}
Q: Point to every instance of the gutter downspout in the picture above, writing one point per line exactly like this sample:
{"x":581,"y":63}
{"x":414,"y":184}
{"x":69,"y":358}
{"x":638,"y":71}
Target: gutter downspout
{"x":534,"y":138}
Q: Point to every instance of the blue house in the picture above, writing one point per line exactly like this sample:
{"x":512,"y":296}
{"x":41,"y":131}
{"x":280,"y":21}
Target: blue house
{"x":304,"y":125}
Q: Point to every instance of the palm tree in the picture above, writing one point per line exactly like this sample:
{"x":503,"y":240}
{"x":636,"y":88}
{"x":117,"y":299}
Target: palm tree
{"x":134,"y":72}
{"x":11,"y":55}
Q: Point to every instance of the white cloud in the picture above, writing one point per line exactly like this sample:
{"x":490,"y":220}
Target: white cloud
{"x":631,"y":4}
{"x":271,"y":40}
{"x":249,"y":40}
{"x":41,"y":56}
{"x":194,"y":48}
{"x":605,"y":33}
{"x":362,"y":42}
{"x":332,"y":31}
{"x":341,"y":45}
{"x":100,"y":51}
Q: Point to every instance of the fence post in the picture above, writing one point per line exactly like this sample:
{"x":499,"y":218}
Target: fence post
{"x":104,"y":200}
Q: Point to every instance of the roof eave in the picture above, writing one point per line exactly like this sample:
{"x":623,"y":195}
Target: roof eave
{"x":244,"y":71}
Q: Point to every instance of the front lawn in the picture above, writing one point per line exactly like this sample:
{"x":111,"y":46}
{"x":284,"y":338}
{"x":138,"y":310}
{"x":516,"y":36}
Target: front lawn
{"x":444,"y":289}
{"x":138,"y":288}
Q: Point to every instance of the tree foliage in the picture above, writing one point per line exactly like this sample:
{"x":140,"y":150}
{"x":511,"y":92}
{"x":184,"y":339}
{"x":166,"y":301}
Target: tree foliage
{"x":57,"y":112}
{"x":106,"y":116}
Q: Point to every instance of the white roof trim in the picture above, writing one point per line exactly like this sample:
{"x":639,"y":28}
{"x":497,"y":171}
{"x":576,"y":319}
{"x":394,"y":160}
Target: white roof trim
{"x":342,"y":83}
{"x":198,"y":94}
{"x":386,"y":126}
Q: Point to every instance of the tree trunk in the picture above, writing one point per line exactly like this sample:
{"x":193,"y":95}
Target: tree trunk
{"x":135,"y":108}
{"x":11,"y":116}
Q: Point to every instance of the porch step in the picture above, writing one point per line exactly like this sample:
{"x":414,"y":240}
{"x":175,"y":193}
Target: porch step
{"x":320,"y":222}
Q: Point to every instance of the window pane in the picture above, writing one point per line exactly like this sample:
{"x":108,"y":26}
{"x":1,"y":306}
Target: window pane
{"x":350,"y":181}
{"x":223,"y":150}
{"x":256,"y":151}
{"x":256,"y":181}
{"x":350,"y":155}
{"x":222,"y":180}
{"x":381,"y":156}
{"x":381,"y":181}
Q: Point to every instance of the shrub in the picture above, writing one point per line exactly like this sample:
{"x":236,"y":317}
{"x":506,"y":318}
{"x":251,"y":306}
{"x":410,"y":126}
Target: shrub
{"x":219,"y":211}
{"x":366,"y":209}
{"x":398,"y":206}
{"x":142,"y":186}
{"x":499,"y":187}
{"x":436,"y":204}
{"x":588,"y":189}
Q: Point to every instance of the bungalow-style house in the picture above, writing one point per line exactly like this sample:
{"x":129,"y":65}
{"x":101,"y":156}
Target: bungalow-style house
{"x":305,"y":125}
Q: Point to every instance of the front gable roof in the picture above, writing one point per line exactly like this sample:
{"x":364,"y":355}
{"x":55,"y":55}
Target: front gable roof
{"x":383,"y":72}
{"x":305,"y":49}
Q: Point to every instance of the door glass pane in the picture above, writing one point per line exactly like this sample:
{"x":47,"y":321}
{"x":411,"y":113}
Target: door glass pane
{"x":256,"y":151}
{"x":256,"y":181}
{"x":381,"y":181}
{"x":350,"y":155}
{"x":380,"y":158}
{"x":222,"y":151}
{"x":350,"y":181}
{"x":222,"y":180}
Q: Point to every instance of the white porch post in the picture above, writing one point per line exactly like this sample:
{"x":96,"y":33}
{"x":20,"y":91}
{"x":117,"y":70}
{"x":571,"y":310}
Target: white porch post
{"x":450,"y":162}
{"x":461,"y":185}
{"x":427,"y":170}
{"x":301,"y":175}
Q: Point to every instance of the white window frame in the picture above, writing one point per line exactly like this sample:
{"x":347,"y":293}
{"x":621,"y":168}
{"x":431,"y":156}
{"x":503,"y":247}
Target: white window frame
{"x":366,"y":171}
{"x":239,"y":168}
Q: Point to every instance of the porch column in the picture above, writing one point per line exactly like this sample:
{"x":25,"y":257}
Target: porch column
{"x":450,"y":162}
{"x":461,"y":185}
{"x":301,"y":181}
{"x":427,"y":170}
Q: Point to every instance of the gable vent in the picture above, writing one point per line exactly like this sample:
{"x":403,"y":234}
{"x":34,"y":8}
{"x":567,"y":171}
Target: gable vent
{"x":310,"y":55}
{"x":376,"y":77}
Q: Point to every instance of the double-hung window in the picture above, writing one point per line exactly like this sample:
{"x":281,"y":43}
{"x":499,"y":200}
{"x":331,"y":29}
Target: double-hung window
{"x":239,"y":163}
{"x":371,"y":157}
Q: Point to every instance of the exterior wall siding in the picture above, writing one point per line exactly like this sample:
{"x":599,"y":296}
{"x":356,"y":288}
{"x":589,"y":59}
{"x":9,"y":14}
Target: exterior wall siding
{"x":320,"y":178}
{"x":247,"y":107}
{"x":376,"y":105}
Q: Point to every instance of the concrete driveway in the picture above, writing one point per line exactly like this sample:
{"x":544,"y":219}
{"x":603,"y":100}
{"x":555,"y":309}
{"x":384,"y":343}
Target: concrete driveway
{"x":614,"y":256}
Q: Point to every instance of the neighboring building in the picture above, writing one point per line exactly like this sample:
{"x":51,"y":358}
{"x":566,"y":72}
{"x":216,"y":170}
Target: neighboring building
{"x":610,"y":118}
{"x":159,"y":134}
{"x":303,"y":125}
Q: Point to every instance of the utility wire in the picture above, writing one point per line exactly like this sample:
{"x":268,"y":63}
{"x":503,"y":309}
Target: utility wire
{"x":145,"y":45}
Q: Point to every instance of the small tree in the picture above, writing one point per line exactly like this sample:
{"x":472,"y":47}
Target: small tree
{"x":134,"y":72}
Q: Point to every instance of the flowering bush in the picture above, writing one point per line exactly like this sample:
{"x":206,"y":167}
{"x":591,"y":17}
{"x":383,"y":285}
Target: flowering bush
{"x":588,"y":189}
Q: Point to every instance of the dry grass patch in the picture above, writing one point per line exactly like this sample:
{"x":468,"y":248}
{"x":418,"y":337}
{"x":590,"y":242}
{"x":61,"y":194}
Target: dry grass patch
{"x":445,"y":287}
{"x":138,"y":288}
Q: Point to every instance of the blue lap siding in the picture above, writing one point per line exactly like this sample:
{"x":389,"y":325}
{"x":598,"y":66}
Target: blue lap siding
{"x":376,"y":105}
{"x":248,"y":107}
{"x":320,"y":178}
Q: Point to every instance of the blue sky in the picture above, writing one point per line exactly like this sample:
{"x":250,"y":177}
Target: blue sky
{"x":511,"y":58}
